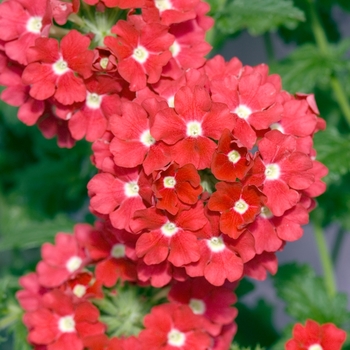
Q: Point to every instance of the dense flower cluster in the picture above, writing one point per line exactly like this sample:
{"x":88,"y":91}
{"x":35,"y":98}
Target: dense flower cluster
{"x":206,"y":167}
{"x":59,"y":299}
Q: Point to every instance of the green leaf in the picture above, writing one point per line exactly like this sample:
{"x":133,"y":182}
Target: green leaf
{"x":332,"y":148}
{"x":306,"y":297}
{"x":258,"y":16}
{"x":334,"y":204}
{"x":259,"y":315}
{"x":286,"y":335}
{"x":19,"y":230}
{"x":303,"y":33}
{"x":245,"y":286}
{"x":235,"y":346}
{"x":307,"y":67}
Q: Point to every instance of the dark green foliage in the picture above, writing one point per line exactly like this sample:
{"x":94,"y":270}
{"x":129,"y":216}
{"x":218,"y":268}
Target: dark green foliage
{"x":308,"y":67}
{"x":255,"y":324}
{"x":256,"y":16}
{"x":306,"y":297}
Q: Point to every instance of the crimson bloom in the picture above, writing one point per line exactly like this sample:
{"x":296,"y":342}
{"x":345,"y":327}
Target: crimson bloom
{"x":314,"y":336}
{"x":112,"y":250}
{"x":191,"y":126}
{"x":283,"y":170}
{"x":237,"y":204}
{"x":170,"y":326}
{"x":21,"y":23}
{"x":60,"y":261}
{"x":52,"y":70}
{"x":133,"y":143}
{"x":213,"y":303}
{"x":119,"y":196}
{"x":60,"y":324}
{"x":141,"y":49}
{"x":177,"y":186}
{"x":101,"y":102}
{"x":169,"y":237}
{"x":230,"y":161}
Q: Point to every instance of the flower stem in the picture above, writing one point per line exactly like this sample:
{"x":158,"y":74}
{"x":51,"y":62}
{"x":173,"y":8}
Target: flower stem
{"x":326,"y":262}
{"x":270,"y":52}
{"x":322,"y":43}
{"x":338,"y":245}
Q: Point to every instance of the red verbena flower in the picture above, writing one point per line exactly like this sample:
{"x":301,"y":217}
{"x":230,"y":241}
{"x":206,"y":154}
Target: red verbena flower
{"x":52,"y":70}
{"x":314,"y":336}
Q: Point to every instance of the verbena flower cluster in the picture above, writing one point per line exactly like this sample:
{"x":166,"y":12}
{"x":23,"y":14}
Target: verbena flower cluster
{"x":206,"y":168}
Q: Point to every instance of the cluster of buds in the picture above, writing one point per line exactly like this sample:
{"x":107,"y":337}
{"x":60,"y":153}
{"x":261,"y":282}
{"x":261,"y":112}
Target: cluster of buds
{"x":206,"y":167}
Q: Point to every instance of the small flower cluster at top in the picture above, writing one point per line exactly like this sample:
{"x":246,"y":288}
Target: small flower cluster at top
{"x":206,"y":167}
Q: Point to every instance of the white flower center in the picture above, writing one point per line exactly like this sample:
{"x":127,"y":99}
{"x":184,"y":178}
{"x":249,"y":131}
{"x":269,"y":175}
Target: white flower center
{"x":234,"y":156}
{"x":140,"y":54}
{"x":163,"y":5}
{"x":73,"y":263}
{"x":169,"y":229}
{"x":243,"y":111}
{"x":266,"y":213}
{"x":197,"y":306}
{"x":79,"y":290}
{"x":118,"y":251}
{"x":216,"y":244}
{"x":93,"y":100}
{"x":147,"y":139}
{"x":277,"y":126}
{"x":175,"y":48}
{"x":315,"y":347}
{"x":169,"y":182}
{"x":104,"y":62}
{"x":60,"y":67}
{"x":171,"y":101}
{"x":131,"y":189}
{"x":34,"y":25}
{"x":176,"y":338}
{"x":66,"y":324}
{"x":194,"y":129}
{"x":240,"y":206}
{"x":272,"y":172}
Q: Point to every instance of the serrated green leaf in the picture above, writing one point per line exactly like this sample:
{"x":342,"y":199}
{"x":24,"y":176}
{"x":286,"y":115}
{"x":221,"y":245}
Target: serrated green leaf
{"x":19,"y":230}
{"x":258,"y":16}
{"x":306,"y":297}
{"x":307,"y":67}
{"x":332,"y":148}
